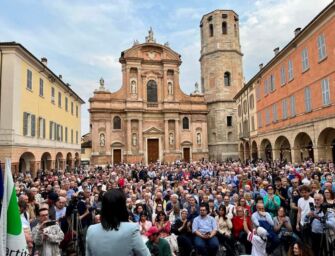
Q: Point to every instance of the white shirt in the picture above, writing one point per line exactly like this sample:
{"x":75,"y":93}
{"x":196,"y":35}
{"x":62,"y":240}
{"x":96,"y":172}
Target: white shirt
{"x":305,"y":209}
{"x":25,"y":222}
{"x":258,"y":245}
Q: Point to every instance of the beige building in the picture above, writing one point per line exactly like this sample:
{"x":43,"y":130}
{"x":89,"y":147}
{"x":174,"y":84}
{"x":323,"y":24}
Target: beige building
{"x":221,"y":79}
{"x":39,"y":113}
{"x":247,"y":121}
{"x":149,"y":118}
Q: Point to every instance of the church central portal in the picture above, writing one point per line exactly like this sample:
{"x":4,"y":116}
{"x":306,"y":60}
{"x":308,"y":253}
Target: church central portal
{"x":153,"y":150}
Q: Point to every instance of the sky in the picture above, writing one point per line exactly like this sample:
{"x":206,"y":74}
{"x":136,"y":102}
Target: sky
{"x":83,"y":39}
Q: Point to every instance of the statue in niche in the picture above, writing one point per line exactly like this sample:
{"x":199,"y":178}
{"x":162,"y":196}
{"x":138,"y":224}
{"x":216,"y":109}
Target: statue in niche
{"x":171,"y":139}
{"x":102,"y":139}
{"x":134,"y":139}
{"x":198,"y":138}
{"x":133,"y":88}
{"x":170,"y":88}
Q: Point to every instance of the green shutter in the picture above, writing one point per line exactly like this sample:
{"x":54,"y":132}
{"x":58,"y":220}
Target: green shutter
{"x":33,"y":124}
{"x":50,"y":130}
{"x":25,"y":123}
{"x":55,"y":131}
{"x":39,"y":124}
{"x":43,"y":128}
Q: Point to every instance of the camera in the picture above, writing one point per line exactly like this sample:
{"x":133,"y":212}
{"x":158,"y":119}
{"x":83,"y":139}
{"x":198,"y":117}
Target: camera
{"x":50,"y":223}
{"x":311,"y":206}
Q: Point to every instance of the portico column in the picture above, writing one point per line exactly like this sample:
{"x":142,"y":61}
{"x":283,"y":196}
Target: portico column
{"x":166,"y":135}
{"x":177,"y":134}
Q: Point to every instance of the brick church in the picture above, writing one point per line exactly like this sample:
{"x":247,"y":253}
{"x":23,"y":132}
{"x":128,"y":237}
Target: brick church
{"x":151,"y":119}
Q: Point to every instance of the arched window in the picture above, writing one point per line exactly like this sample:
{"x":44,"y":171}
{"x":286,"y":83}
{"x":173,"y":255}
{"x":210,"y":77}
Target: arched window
{"x":224,"y":28}
{"x":227,"y":79}
{"x":152,"y":91}
{"x":116,"y":122}
{"x":186,"y":123}
{"x":211,"y":30}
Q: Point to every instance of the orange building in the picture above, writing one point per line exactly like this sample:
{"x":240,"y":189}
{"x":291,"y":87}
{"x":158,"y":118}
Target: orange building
{"x":295,"y":102}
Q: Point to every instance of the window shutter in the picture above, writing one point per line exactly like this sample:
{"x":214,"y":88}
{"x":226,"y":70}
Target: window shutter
{"x":38,"y":128}
{"x":25,"y":123}
{"x":61,"y":133}
{"x":33,"y":122}
{"x":50,"y":130}
{"x":43,"y":128}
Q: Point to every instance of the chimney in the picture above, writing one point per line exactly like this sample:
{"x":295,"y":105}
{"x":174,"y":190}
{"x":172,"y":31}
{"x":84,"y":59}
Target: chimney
{"x":260,"y":66}
{"x":297,"y":31}
{"x":276,"y":50}
{"x":60,"y":76}
{"x":44,"y":61}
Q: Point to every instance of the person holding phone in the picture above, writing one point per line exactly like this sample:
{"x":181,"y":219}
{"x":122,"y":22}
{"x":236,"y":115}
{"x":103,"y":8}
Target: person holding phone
{"x":47,"y":235}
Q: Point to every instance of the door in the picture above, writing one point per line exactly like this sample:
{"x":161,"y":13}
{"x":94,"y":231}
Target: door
{"x":117,"y":156}
{"x":153,"y":150}
{"x":186,"y":152}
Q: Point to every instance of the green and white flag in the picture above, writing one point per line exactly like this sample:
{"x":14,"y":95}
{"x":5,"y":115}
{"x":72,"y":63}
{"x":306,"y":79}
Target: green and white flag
{"x":13,"y":241}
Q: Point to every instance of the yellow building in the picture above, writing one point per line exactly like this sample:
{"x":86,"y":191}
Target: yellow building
{"x":39,"y":113}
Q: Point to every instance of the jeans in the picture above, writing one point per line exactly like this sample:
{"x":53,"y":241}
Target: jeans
{"x":206,"y":246}
{"x":185,"y":244}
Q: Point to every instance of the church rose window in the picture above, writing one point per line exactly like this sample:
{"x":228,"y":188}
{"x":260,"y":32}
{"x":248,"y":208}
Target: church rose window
{"x":152,"y":91}
{"x":117,"y":122}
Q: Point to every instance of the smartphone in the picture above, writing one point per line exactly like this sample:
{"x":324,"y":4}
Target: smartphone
{"x":50,"y":223}
{"x":311,"y":206}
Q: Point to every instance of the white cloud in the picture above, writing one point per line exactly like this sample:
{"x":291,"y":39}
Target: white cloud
{"x":271,"y":24}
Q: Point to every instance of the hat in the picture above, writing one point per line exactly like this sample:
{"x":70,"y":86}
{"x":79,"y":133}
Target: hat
{"x":153,"y":230}
{"x":261,"y":232}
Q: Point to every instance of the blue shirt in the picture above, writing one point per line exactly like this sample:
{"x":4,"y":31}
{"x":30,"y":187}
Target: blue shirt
{"x":204,"y":224}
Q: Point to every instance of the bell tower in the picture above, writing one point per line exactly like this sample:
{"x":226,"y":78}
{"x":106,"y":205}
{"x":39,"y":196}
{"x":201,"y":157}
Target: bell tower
{"x":221,"y":79}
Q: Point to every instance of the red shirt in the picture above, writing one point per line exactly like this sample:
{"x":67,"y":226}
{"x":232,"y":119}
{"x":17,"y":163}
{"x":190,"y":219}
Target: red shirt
{"x":238,"y":225}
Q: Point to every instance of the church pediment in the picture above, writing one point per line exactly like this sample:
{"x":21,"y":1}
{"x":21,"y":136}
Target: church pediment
{"x":117,"y":144}
{"x":153,"y":130}
{"x":186,"y":143}
{"x":152,"y":73}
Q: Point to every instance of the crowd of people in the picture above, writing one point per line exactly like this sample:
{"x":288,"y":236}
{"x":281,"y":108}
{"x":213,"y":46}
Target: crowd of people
{"x":201,"y":208}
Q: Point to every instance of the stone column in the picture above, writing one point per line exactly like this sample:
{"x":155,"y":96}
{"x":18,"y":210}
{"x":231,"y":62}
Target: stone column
{"x":108,"y":136}
{"x":139,"y":84}
{"x":128,"y":132}
{"x":166,"y":135}
{"x":140,"y":135}
{"x":177,"y":127}
{"x":296,"y":156}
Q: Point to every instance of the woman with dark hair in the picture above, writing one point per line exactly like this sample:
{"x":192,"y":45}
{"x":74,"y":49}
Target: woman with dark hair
{"x":114,"y":233}
{"x":224,"y":233}
{"x":329,"y":201}
{"x":298,"y":249}
{"x":163,"y":224}
{"x":144,"y":225}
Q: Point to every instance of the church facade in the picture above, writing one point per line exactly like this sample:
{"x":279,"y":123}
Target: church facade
{"x":149,"y":118}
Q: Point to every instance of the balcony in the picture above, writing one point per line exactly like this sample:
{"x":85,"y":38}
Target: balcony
{"x":152,"y":105}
